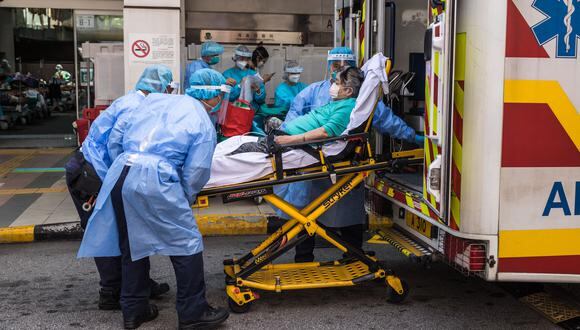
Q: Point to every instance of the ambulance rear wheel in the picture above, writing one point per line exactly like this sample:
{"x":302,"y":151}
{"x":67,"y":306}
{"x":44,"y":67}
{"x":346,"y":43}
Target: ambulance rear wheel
{"x":234,"y":307}
{"x":394,"y":297}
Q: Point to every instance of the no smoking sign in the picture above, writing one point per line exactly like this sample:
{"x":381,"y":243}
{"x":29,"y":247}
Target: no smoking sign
{"x":140,"y":48}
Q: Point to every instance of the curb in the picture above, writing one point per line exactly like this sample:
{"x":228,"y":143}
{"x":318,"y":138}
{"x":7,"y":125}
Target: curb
{"x":34,"y":233}
{"x":209,"y":225}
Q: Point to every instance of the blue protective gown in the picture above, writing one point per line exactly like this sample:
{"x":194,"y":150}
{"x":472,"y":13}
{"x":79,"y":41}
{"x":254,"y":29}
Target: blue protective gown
{"x":95,"y":147}
{"x":169,"y":146}
{"x":191,"y":68}
{"x":350,"y":210}
{"x":238,"y":74}
{"x":311,"y":97}
{"x":285,"y":94}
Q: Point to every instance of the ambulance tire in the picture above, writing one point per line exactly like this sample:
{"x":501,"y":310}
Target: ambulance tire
{"x":234,"y":307}
{"x":394,"y":297}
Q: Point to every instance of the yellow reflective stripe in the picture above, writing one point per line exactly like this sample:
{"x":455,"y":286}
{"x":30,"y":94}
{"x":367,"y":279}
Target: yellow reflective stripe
{"x":433,"y":200}
{"x":436,"y":62}
{"x":550,"y":92}
{"x":435,"y":150}
{"x":428,"y":160}
{"x":17,"y":234}
{"x":455,"y":209}
{"x":425,"y":209}
{"x":409,"y":201}
{"x":460,"y":52}
{"x":536,"y":243}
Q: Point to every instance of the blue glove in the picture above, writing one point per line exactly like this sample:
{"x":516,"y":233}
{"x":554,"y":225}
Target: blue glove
{"x":419,"y":140}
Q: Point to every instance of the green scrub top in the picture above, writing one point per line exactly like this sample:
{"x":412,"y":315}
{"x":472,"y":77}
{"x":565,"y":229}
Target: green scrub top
{"x":333,"y":117}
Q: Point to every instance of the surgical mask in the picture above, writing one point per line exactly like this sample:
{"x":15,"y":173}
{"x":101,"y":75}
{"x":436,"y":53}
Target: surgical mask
{"x":215,"y":108}
{"x":334,"y":89}
{"x":261,"y":64}
{"x":294,"y":78}
{"x":242,"y":64}
{"x":214,"y":60}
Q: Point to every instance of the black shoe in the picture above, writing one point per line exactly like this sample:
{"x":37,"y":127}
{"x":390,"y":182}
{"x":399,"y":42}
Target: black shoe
{"x":136,"y":322}
{"x":109,"y":299}
{"x":212,"y":317}
{"x":158,"y":289}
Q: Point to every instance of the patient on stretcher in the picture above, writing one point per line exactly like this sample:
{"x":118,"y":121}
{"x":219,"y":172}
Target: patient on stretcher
{"x":246,"y":158}
{"x":327,"y":121}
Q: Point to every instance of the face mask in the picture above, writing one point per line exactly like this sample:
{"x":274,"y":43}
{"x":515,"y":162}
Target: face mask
{"x":213,"y":109}
{"x":261,"y":64}
{"x":217,"y":106}
{"x":214,"y":60}
{"x":294,"y":78}
{"x":334,"y":89}
{"x":242,"y":64}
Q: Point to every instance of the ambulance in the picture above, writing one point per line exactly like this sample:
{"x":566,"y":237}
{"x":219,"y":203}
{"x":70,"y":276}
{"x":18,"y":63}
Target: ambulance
{"x":495,"y":87}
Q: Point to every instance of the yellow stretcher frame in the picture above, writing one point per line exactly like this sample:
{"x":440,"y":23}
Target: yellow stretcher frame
{"x":255,"y":270}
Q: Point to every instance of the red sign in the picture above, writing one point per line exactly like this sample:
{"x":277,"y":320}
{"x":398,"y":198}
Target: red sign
{"x":140,"y":48}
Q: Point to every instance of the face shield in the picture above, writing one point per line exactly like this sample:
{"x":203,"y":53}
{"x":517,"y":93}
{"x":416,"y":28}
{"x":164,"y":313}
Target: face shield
{"x":292,"y":74}
{"x":337,"y":63}
{"x":219,"y":111}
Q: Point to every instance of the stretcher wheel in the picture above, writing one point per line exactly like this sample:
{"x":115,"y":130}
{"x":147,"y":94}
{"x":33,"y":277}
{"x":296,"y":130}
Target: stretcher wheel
{"x":394,"y":297}
{"x":234,"y":307}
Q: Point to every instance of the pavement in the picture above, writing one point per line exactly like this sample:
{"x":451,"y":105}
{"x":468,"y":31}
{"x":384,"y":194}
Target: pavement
{"x":33,"y":192}
{"x":43,"y":286}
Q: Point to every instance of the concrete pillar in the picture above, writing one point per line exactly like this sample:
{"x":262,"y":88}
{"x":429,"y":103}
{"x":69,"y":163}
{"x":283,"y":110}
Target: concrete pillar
{"x":153,"y":34}
{"x":7,"y":35}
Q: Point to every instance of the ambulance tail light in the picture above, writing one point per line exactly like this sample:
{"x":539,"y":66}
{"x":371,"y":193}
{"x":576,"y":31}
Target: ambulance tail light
{"x":468,"y":256}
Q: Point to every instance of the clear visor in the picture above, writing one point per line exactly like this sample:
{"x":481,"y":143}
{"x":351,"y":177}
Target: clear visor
{"x":219,"y":115}
{"x":242,"y":53}
{"x":296,"y":69}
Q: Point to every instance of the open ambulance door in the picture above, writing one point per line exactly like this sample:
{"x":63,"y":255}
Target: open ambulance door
{"x":439,"y":58}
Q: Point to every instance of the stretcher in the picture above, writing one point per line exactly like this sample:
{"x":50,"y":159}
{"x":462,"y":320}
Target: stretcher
{"x":347,"y":169}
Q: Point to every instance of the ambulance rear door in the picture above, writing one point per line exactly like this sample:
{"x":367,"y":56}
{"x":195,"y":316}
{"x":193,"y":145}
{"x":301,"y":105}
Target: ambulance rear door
{"x":439,"y":58}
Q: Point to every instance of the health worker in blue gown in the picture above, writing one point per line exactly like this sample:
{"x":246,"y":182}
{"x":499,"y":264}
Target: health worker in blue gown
{"x":143,"y":207}
{"x":96,"y":155}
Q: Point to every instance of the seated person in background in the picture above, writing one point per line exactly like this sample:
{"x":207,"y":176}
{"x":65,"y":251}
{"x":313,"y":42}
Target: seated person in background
{"x":290,"y":87}
{"x":329,"y":120}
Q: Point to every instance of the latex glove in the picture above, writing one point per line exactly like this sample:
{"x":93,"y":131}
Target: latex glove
{"x":419,"y":140}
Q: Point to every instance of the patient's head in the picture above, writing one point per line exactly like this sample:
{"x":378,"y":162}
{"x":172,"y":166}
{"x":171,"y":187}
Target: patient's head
{"x":347,"y":84}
